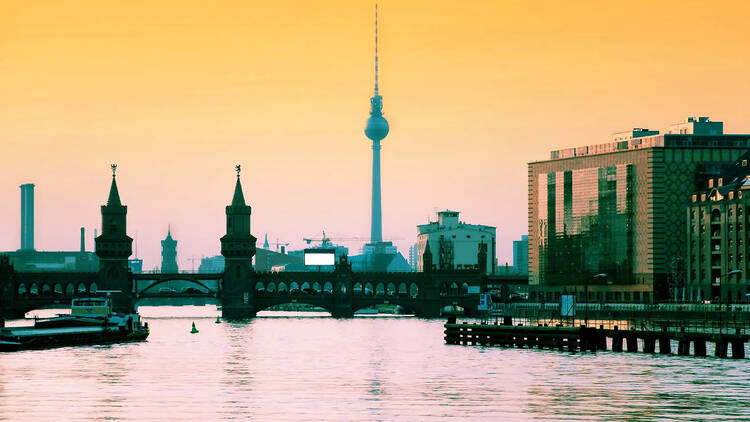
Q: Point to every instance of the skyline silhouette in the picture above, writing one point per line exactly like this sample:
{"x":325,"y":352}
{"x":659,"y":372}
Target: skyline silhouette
{"x":177,"y":94}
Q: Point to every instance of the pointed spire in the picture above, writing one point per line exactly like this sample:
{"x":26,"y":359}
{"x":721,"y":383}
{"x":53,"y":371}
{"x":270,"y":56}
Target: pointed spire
{"x":114,"y":195}
{"x":265,"y":244}
{"x":239,"y":198}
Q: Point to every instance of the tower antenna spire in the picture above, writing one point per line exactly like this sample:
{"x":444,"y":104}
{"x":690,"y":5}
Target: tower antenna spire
{"x":376,"y":48}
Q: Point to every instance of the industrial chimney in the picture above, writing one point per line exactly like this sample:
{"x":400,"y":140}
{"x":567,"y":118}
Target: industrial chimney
{"x":27,"y":216}
{"x":83,"y":240}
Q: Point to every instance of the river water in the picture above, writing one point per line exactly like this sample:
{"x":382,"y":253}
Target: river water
{"x":303,"y":368}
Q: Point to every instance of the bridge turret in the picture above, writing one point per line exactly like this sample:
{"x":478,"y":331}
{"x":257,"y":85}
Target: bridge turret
{"x":113,"y":247}
{"x":238,"y":249}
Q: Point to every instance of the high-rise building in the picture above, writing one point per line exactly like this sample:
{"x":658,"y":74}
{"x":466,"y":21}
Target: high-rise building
{"x":521,"y":255}
{"x":616,"y":210}
{"x":169,"y":254}
{"x":27,"y":216}
{"x":717,"y":226}
{"x":455,"y":245}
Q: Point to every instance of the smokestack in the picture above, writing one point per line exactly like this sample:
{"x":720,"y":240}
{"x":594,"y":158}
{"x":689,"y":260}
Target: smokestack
{"x":27,"y":216}
{"x":83,"y":239}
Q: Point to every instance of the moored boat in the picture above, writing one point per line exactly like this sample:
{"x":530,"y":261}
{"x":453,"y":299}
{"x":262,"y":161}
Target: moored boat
{"x":90,"y":321}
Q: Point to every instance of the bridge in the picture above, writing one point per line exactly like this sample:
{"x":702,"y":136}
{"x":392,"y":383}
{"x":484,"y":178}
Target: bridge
{"x":241,"y":291}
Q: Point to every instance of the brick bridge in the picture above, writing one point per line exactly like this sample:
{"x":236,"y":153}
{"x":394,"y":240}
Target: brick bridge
{"x":242,"y":291}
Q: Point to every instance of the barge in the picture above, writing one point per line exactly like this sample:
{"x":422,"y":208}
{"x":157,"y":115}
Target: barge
{"x":91,"y":321}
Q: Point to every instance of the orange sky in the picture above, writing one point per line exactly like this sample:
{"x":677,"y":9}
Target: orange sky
{"x":178,"y":92}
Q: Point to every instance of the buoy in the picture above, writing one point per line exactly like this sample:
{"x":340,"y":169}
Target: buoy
{"x":194,"y":330}
{"x":218,"y":320}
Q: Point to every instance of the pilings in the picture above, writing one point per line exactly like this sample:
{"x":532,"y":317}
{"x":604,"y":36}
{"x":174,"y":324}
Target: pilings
{"x":583,"y":338}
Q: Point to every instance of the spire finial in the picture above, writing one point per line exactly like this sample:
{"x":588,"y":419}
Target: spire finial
{"x":237,"y":168}
{"x":376,"y":48}
{"x":114,"y":169}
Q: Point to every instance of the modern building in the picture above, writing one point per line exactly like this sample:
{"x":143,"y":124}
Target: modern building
{"x":169,"y":254}
{"x":718,"y":227}
{"x":413,"y":256}
{"x":521,"y":255}
{"x":609,"y":218}
{"x":455,"y":245}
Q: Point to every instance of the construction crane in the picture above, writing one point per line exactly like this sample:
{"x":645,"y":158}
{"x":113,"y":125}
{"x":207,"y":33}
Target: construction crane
{"x":326,"y":241}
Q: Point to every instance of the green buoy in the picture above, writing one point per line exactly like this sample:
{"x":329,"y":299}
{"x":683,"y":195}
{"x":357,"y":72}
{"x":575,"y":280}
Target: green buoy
{"x":194,"y":330}
{"x":218,"y":320}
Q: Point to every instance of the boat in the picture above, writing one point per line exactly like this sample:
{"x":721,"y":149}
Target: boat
{"x":367,"y":311}
{"x":451,"y":311}
{"x":91,"y":321}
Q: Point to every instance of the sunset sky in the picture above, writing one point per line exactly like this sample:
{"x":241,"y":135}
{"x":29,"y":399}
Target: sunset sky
{"x":178,"y":92}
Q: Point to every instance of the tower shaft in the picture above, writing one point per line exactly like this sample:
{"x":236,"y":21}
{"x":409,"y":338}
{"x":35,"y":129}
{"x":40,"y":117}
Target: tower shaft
{"x":376,"y":224}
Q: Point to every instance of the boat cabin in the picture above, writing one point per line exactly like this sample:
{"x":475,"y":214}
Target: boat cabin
{"x":91,"y":306}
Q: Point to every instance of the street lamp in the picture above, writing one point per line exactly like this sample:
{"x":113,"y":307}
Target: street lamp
{"x":586,"y":316}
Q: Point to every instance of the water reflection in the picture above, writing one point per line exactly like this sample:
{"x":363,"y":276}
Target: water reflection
{"x":294,"y":367}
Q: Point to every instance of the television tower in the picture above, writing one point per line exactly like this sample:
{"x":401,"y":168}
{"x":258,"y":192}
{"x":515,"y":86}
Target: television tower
{"x":376,"y":130}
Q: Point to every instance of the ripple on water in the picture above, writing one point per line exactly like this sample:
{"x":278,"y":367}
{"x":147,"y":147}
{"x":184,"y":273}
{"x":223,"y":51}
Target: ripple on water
{"x":360,"y":369}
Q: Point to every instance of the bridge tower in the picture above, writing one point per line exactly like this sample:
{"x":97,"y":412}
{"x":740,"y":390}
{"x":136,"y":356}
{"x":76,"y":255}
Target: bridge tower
{"x":238,"y":249}
{"x":113,"y":247}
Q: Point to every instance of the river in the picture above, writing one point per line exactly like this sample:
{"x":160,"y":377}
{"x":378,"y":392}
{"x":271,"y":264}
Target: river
{"x":305,"y":368}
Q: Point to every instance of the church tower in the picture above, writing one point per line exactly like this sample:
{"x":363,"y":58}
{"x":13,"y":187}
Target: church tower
{"x":113,"y":247}
{"x":169,"y":254}
{"x":238,"y":249}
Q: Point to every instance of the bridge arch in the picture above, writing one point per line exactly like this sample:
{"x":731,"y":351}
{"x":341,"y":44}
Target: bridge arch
{"x":316,"y":287}
{"x":160,"y":282}
{"x":284,"y":300}
{"x":21,"y":289}
{"x":34,"y":289}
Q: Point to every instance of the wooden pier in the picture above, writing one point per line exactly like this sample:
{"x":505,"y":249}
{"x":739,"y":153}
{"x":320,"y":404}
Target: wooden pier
{"x":592,"y":339}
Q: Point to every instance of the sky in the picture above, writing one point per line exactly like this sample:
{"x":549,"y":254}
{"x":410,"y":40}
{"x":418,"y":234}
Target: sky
{"x":179,"y":92}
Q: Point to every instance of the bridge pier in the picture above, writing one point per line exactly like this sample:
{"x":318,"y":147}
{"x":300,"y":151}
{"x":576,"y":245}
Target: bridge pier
{"x":237,"y":312}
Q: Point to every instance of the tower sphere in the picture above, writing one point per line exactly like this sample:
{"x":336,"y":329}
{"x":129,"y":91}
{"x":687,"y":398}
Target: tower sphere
{"x":377,"y":128}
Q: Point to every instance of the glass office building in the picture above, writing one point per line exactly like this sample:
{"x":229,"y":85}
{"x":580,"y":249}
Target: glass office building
{"x":609,"y":218}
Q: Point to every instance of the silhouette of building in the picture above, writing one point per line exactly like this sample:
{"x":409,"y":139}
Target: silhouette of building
{"x":521,"y":255}
{"x":211,"y":264}
{"x":169,"y":254}
{"x":456,"y":245}
{"x":717,"y":235}
{"x":27,"y":216}
{"x":618,"y":209}
{"x":28,"y":259}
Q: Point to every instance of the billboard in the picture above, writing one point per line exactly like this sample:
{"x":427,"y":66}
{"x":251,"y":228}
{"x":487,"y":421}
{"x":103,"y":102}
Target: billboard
{"x":320,"y":256}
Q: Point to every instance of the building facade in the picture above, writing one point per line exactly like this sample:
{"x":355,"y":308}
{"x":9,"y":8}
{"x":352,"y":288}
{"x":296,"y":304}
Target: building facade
{"x":455,"y":245}
{"x":521,"y":255}
{"x":717,"y":233}
{"x":616,"y":210}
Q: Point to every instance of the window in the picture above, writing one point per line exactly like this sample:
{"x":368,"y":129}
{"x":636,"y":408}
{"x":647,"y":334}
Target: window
{"x":739,"y":227}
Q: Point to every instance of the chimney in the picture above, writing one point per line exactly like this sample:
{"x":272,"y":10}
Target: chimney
{"x":27,"y":216}
{"x":83,"y":239}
